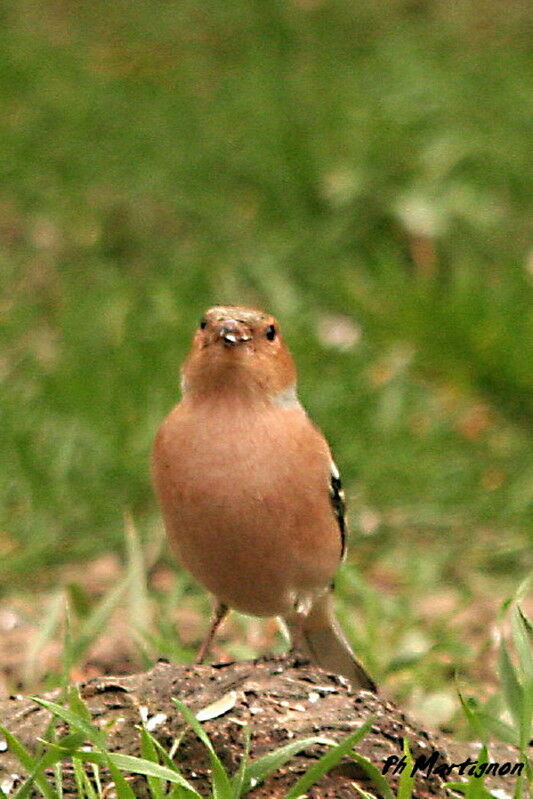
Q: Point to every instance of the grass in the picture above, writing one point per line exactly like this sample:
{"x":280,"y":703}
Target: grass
{"x":361,"y":170}
{"x":515,"y":700}
{"x":314,"y":160}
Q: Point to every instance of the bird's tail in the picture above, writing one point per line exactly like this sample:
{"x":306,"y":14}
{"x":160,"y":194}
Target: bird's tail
{"x":320,"y":637}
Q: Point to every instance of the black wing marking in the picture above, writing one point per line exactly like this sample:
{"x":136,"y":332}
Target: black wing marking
{"x":338,"y":503}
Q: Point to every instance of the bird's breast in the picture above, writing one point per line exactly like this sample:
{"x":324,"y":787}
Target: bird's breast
{"x":246,"y":507}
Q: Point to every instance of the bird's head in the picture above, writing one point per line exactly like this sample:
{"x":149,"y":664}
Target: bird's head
{"x":240,"y":350}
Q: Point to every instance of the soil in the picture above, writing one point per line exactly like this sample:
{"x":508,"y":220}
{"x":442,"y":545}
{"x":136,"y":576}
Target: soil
{"x":282,"y":699}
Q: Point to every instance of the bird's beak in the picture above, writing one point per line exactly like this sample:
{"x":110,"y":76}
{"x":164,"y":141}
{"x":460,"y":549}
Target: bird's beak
{"x":232,"y":333}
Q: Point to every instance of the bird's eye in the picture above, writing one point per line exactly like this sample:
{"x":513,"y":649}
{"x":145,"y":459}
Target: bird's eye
{"x":203,"y":323}
{"x":270,"y":333}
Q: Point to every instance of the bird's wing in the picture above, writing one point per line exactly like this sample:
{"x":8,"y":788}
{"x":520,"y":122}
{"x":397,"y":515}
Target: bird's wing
{"x":338,"y":503}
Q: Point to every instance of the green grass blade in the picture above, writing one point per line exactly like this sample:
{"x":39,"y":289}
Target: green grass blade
{"x":475,"y":788}
{"x":89,"y":788}
{"x":91,"y":732}
{"x":66,"y":655}
{"x":523,"y":641}
{"x":32,"y":765}
{"x":95,"y":623}
{"x":77,"y":705}
{"x":524,"y":589}
{"x":51,"y":733}
{"x":68,"y":743}
{"x":136,"y":765}
{"x":124,"y":790}
{"x":149,"y":752}
{"x":362,"y":792}
{"x":258,"y":770}
{"x":512,"y":690}
{"x":497,"y":728}
{"x":406,"y":781}
{"x":32,"y":781}
{"x":79,"y":600}
{"x":328,"y":761}
{"x":476,"y":726}
{"x":96,"y":777}
{"x":57,"y":751}
{"x":161,"y":751}
{"x":519,"y":787}
{"x":138,"y":601}
{"x":238,"y":780}
{"x":221,"y":782}
{"x":47,"y":630}
{"x":177,"y":792}
{"x":375,"y":775}
{"x":58,"y":777}
{"x":78,"y":777}
{"x":27,"y":787}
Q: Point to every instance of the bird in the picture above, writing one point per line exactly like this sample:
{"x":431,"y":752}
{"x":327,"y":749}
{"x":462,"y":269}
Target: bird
{"x":251,"y":498}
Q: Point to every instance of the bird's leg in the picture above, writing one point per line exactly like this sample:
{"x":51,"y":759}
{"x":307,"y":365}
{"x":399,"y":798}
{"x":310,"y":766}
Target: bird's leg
{"x":295,"y":624}
{"x":220,"y":613}
{"x":298,"y":640}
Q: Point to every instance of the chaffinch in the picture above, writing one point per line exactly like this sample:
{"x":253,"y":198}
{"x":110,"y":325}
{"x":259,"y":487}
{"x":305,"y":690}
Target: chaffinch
{"x":251,"y":498}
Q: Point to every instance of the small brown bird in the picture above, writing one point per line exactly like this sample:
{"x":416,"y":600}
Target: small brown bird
{"x":252,"y":500}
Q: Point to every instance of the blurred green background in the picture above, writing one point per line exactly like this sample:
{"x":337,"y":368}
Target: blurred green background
{"x":362,"y":170}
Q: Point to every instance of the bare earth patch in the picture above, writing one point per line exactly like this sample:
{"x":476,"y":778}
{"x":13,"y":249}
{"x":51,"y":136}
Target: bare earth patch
{"x":282,"y":699}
